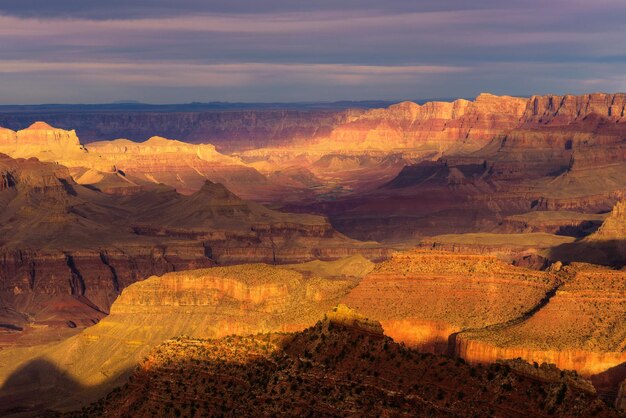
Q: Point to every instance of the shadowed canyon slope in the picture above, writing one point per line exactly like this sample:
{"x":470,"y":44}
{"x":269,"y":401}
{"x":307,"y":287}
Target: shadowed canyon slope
{"x":64,"y":245}
{"x":606,"y":246}
{"x":344,"y":365}
{"x":470,"y":306}
{"x":206,"y":303}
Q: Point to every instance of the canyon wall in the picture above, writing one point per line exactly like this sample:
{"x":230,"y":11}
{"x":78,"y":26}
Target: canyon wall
{"x":228,"y":130}
{"x":484,"y":310}
{"x":62,"y":243}
{"x":435,"y":124}
{"x":581,"y":328}
{"x":564,"y":153}
{"x":205,"y":303}
{"x":422,"y":297}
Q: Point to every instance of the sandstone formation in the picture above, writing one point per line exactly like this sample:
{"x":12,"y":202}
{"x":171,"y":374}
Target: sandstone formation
{"x":61,"y":241}
{"x":207,"y":303}
{"x":183,"y":166}
{"x":581,"y":328}
{"x":422,"y":297}
{"x":344,"y":365}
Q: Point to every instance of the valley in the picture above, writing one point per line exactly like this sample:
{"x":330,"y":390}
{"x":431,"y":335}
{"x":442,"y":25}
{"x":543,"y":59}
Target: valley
{"x":483,"y":235}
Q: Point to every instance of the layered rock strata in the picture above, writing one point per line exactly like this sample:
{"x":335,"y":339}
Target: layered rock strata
{"x":207,"y":303}
{"x":422,"y":297}
{"x":59,"y":238}
{"x":342,"y":365}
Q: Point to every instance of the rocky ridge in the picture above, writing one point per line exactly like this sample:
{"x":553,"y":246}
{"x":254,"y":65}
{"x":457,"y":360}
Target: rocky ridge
{"x":564,"y":154}
{"x":183,"y":166}
{"x":63,"y":241}
{"x":206,"y":303}
{"x":344,"y":365}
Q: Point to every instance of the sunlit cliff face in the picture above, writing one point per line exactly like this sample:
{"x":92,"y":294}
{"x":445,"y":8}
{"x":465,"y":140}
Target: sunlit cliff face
{"x":343,"y":362}
{"x":206,"y":303}
{"x":440,"y":302}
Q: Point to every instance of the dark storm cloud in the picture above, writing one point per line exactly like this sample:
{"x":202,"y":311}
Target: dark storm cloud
{"x":166,"y":51}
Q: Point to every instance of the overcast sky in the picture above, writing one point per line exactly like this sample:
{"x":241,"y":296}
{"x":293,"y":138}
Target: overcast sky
{"x":171,"y":51}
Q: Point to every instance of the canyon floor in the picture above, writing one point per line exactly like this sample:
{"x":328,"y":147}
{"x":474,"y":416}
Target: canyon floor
{"x":484,"y":240}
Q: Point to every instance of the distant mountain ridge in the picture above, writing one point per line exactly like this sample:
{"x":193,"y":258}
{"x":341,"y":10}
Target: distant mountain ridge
{"x":216,"y":122}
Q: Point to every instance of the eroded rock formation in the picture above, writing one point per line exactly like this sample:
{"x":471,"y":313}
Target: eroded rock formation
{"x":342,"y":365}
{"x":183,"y":166}
{"x":207,"y":303}
{"x":61,"y":240}
{"x":422,"y":297}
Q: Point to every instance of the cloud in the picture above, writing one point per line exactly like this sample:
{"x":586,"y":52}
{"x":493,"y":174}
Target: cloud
{"x":192,"y":74}
{"x":123,"y":9}
{"x":292,"y":49}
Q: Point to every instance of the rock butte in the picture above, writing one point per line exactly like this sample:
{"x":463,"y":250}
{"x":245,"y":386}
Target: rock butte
{"x":183,"y":166}
{"x":47,"y":143}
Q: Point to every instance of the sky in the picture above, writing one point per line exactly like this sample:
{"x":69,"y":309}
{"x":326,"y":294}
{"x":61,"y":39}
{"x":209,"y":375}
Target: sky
{"x":180,"y":51}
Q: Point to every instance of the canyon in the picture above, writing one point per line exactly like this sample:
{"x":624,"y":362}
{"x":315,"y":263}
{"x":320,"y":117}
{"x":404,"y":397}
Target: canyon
{"x":473,"y":307}
{"x":68,"y":250}
{"x":479,"y":231}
